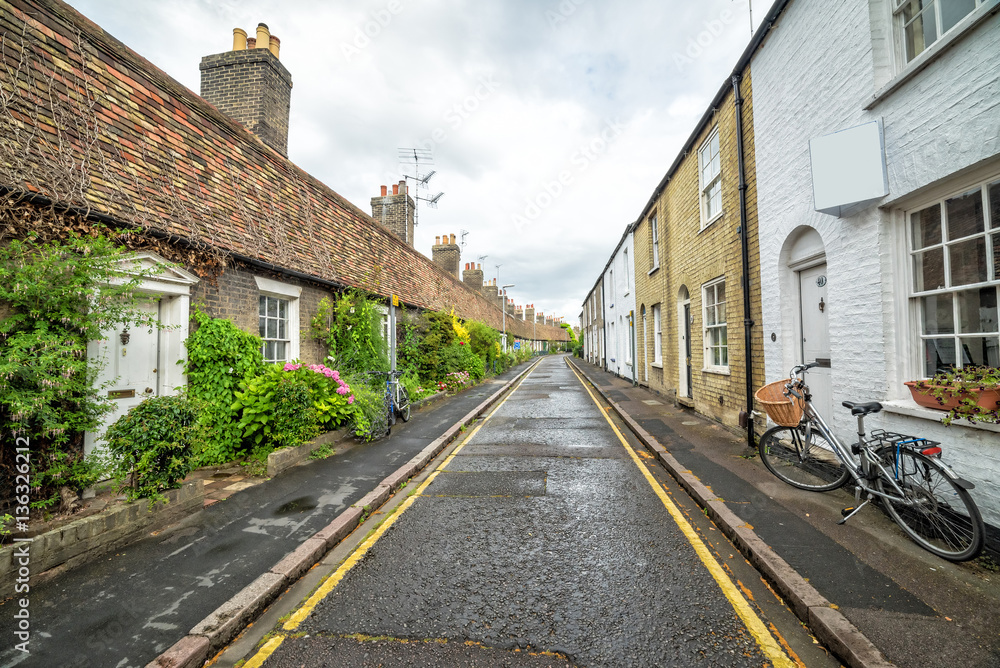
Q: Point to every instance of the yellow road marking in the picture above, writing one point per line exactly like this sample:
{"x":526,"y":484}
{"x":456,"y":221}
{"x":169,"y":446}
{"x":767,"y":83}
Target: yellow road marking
{"x":266,"y":651}
{"x":771,"y":649}
{"x":333,"y":580}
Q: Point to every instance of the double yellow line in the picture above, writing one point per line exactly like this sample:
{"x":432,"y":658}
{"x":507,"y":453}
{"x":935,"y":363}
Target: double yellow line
{"x":333,"y":580}
{"x":768,"y":645}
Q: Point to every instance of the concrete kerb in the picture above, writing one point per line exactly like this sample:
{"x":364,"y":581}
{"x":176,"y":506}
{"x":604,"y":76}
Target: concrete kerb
{"x":230,"y":618}
{"x":826,"y":623}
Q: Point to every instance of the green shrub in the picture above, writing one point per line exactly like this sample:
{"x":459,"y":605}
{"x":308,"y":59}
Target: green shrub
{"x":152,"y":445}
{"x":60,"y":295}
{"x":351,"y":328}
{"x":276,"y":409}
{"x":369,"y":404}
{"x":221,"y":357}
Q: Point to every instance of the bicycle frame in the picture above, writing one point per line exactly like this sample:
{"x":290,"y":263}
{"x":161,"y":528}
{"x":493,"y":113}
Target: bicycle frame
{"x":811,"y":417}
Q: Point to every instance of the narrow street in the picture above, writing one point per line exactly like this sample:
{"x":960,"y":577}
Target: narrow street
{"x":543,"y":539}
{"x":125,"y":608}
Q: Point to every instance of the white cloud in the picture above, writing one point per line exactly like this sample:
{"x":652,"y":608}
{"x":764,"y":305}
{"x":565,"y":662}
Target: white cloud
{"x":559,"y":73}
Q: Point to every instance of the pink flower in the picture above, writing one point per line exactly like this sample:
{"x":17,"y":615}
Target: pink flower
{"x":350,"y":399}
{"x":342,"y":390}
{"x":335,"y":375}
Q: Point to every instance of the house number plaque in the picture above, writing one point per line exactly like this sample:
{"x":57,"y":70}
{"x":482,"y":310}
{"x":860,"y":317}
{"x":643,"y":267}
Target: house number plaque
{"x":820,"y":281}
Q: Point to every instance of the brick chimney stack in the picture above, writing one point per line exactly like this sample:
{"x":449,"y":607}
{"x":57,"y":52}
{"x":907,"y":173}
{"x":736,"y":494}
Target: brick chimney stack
{"x":251,"y":86}
{"x":540,"y":318}
{"x":447,"y":254}
{"x":490,"y":291}
{"x":548,"y":320}
{"x":519,"y":312}
{"x":529,"y":313}
{"x":395,"y":212}
{"x":473,"y":276}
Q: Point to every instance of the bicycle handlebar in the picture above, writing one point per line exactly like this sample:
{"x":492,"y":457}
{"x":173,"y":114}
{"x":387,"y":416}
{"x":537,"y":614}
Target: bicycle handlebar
{"x":796,"y":370}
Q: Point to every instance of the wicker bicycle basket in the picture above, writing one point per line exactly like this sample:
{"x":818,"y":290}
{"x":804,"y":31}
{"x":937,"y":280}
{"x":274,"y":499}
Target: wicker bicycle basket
{"x":785,"y":411}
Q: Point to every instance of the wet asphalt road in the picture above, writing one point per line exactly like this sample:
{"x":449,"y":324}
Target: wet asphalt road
{"x":539,"y":544}
{"x":123,"y":609}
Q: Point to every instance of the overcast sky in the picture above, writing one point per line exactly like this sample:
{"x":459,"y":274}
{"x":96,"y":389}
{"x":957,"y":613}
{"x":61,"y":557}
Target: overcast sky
{"x":550,"y":121}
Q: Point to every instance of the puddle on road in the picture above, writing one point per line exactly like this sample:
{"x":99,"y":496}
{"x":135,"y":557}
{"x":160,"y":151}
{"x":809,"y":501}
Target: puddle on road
{"x":299,"y":505}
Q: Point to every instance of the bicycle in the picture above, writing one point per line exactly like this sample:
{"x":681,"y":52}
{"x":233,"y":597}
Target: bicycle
{"x":396,"y":401}
{"x":928,"y":500}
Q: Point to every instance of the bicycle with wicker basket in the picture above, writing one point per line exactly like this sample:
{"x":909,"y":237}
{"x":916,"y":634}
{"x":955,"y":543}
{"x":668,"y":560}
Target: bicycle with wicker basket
{"x":928,"y":500}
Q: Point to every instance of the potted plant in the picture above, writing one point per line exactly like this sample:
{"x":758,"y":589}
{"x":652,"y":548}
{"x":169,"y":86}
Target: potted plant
{"x":970,"y":393}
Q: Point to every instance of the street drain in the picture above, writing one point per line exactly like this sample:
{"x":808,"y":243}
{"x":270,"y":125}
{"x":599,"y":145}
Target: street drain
{"x":299,"y":505}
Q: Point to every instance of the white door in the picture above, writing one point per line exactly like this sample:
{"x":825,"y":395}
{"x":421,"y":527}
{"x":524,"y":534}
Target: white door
{"x":130,"y":365}
{"x":815,"y":336}
{"x":684,"y":345}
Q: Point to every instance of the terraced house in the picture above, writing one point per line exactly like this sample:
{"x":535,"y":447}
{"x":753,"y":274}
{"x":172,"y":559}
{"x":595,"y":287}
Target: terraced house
{"x":696,"y":270}
{"x":90,"y":128}
{"x":879,"y":203}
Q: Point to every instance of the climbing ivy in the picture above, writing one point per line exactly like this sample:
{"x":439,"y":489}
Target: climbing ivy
{"x":220,"y":357}
{"x":350,"y":326}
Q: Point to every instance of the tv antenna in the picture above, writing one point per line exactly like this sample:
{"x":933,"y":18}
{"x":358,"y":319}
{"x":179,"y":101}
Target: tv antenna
{"x":481,"y":258}
{"x":464,"y":233}
{"x":418,"y":157}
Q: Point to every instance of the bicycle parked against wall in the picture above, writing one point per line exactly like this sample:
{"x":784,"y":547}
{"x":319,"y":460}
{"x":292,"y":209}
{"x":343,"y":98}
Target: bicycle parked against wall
{"x":928,"y":500}
{"x":396,"y":401}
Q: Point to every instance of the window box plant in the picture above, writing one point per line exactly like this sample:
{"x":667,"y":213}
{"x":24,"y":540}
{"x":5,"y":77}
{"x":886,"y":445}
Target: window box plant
{"x":970,"y":393}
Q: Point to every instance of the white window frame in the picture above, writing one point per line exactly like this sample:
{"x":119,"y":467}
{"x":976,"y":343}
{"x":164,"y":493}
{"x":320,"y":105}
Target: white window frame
{"x":654,"y":243}
{"x":628,"y":286}
{"x":657,"y":335}
{"x":710,"y":179}
{"x":290,"y":294}
{"x":931,"y":7}
{"x":990,"y":237}
{"x":710,"y":312}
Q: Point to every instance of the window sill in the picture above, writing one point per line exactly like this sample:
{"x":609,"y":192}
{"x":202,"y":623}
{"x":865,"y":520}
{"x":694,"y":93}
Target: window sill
{"x":909,"y":408}
{"x":934,"y":51}
{"x":657,"y":365}
{"x":708,"y":223}
{"x":653,"y":270}
{"x":717,"y":370}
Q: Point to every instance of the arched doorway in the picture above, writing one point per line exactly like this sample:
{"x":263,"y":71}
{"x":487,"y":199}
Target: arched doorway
{"x":807,"y":275}
{"x":684,"y":373}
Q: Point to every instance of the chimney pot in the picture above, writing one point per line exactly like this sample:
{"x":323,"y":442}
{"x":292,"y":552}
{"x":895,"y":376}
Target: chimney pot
{"x":437,"y":241}
{"x":402,"y":186}
{"x":384,"y":191}
{"x":251,"y":42}
{"x":239,"y":39}
{"x":263,"y":37}
{"x":453,"y":239}
{"x":479,"y":266}
{"x":274,"y":45}
{"x":395,"y":189}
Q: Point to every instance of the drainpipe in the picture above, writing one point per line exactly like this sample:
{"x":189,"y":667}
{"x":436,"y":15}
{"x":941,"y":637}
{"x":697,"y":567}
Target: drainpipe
{"x":604,"y":328}
{"x":745,"y":247}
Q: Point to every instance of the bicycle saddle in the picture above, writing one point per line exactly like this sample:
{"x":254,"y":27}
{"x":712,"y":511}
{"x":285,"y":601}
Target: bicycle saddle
{"x":863,"y":409}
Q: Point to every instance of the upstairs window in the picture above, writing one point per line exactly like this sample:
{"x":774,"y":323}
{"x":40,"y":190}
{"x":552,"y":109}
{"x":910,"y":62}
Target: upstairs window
{"x":920,"y":23}
{"x":654,"y":244}
{"x":710,"y":178}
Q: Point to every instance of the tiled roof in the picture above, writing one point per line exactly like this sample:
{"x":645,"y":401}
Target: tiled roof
{"x":149,"y":152}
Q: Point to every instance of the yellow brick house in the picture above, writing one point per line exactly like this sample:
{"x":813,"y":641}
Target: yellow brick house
{"x":695,"y":249}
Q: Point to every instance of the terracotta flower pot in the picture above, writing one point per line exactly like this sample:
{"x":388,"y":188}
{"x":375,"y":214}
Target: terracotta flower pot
{"x":988,"y":399}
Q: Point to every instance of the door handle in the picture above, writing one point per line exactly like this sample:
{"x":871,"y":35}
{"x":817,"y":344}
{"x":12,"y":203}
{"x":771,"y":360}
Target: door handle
{"x":148,"y":390}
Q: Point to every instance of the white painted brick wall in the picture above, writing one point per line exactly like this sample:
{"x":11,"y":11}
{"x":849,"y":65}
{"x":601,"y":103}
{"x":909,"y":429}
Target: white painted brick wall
{"x":617,"y":310}
{"x":812,"y":76}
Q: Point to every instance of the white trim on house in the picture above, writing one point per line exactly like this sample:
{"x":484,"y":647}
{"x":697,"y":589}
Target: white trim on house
{"x":290,"y":295}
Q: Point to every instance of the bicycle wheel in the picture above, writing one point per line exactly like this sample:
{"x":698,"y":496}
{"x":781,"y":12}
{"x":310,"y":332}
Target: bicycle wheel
{"x":403,"y":403}
{"x":802,"y":457}
{"x":390,"y":413}
{"x":937,"y":514}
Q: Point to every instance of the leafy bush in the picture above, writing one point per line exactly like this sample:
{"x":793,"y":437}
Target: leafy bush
{"x":455,"y":381}
{"x":436,"y":336}
{"x":221,"y":357}
{"x":152,"y":445}
{"x":331,"y":394}
{"x":61,"y":295}
{"x":369,"y":405}
{"x":351,"y":328}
